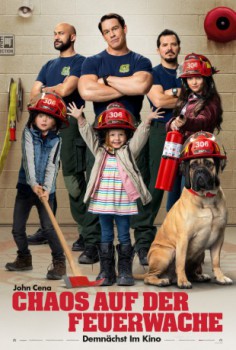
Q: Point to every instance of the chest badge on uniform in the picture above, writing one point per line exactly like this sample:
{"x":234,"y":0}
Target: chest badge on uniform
{"x":65,"y":71}
{"x":124,"y":68}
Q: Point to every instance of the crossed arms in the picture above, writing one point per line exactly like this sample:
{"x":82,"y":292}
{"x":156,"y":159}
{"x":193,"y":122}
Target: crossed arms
{"x":92,"y":88}
{"x":63,"y":89}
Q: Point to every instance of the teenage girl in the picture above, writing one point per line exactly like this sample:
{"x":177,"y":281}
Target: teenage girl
{"x":198,"y":106}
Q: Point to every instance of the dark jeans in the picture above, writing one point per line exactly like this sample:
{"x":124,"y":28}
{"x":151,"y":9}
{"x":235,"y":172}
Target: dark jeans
{"x":76,"y":158}
{"x":88,"y":224}
{"x":148,"y":162}
{"x":174,"y":195}
{"x":54,"y":209}
{"x":24,"y":202}
{"x":107,"y":226}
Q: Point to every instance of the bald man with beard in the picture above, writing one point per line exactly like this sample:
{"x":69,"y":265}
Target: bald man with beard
{"x":61,"y":75}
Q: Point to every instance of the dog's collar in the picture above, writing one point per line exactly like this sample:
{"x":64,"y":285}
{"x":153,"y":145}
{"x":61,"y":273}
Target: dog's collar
{"x":202,"y":194}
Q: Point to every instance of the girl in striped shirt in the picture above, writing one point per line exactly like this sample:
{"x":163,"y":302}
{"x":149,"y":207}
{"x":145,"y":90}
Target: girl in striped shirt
{"x":115,"y":183}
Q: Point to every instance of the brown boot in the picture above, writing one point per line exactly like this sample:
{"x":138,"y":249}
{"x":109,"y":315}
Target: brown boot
{"x":22,"y":263}
{"x":58,"y":270}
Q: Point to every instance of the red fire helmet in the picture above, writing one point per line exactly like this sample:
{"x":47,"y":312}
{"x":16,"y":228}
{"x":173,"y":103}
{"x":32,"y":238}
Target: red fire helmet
{"x":197,"y":65}
{"x":115,"y":117}
{"x":51,"y":104}
{"x":202,"y":144}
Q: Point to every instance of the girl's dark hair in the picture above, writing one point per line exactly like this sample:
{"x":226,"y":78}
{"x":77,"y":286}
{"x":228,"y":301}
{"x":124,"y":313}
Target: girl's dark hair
{"x":209,"y":93}
{"x":33,"y":115}
{"x":102,"y":135}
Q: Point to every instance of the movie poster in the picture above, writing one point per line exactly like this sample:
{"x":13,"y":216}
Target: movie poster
{"x":39,"y":314}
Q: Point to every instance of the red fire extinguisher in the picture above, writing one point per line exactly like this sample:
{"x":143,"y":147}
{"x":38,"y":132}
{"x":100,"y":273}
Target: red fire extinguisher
{"x":169,"y":161}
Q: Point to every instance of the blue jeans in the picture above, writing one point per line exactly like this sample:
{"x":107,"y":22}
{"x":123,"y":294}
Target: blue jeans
{"x":107,"y":227}
{"x":25,"y":200}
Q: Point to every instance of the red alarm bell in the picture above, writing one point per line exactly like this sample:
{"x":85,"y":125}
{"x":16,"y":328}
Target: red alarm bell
{"x":220,"y":24}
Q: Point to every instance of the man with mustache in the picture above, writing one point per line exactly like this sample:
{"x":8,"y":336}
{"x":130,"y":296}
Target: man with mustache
{"x":163,"y":94}
{"x":61,"y":75}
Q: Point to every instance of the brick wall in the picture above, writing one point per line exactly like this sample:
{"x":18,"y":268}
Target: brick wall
{"x":145,"y":20}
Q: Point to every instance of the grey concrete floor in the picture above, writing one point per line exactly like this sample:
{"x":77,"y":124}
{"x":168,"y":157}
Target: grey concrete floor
{"x":43,"y":330}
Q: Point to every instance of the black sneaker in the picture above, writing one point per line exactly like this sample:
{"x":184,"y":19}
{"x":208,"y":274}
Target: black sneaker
{"x":78,"y":246}
{"x":37,"y":238}
{"x":142,"y":254}
{"x":89,"y":256}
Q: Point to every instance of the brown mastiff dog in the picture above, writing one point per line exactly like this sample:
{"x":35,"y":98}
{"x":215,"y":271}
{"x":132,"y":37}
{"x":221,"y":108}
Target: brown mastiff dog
{"x":195,"y":223}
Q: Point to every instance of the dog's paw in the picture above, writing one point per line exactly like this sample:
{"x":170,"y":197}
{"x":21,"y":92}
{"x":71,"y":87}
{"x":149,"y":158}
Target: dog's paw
{"x":201,"y":278}
{"x":184,"y":284}
{"x":155,"y":281}
{"x":164,"y":282}
{"x":224,"y":280}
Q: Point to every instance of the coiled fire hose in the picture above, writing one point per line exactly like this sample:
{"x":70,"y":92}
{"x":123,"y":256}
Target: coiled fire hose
{"x":11,"y":123}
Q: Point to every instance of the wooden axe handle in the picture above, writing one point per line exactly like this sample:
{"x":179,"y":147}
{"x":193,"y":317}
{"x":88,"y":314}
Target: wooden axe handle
{"x":75,"y":269}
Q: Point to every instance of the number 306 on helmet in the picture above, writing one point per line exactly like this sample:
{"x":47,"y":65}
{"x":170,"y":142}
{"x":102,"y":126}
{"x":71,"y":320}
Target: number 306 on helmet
{"x":51,"y":104}
{"x":115,"y":117}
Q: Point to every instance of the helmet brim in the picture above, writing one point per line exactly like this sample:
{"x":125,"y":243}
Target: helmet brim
{"x":47,"y":112}
{"x":202,"y":155}
{"x":190,"y":75}
{"x":115,"y":126}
